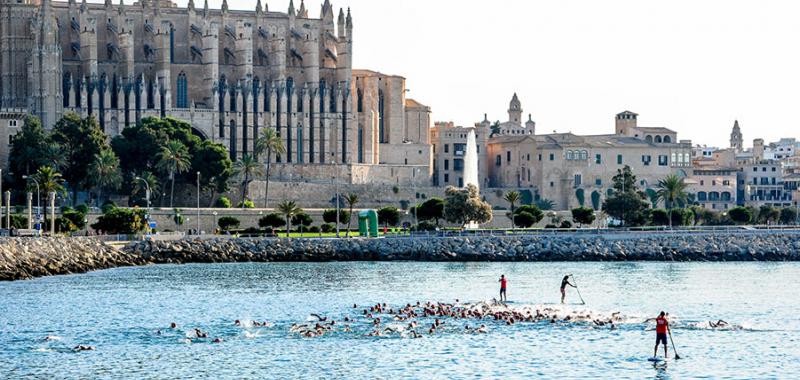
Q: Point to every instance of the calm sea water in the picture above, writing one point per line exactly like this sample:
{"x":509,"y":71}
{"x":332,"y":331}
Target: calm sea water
{"x":119,"y":312}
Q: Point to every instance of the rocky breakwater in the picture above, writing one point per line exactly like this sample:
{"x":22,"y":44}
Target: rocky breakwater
{"x":23,"y":258}
{"x":651,"y":247}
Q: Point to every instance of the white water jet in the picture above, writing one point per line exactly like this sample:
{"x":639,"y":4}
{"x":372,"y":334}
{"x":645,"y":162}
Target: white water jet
{"x":471,"y":161}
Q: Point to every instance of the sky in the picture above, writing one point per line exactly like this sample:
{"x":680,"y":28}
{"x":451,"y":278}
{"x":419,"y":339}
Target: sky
{"x":690,"y":65}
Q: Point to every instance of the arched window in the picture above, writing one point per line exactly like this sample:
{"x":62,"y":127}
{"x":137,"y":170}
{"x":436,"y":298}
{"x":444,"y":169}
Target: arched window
{"x":381,"y":124}
{"x":256,"y":92}
{"x":584,"y":155}
{"x":360,"y":104}
{"x":713,"y":196}
{"x":674,"y":158}
{"x":232,"y":102}
{"x":648,"y":138}
{"x":171,"y":44}
{"x":182,"y":99}
{"x":66,"y":84}
{"x":114,"y":92}
{"x":701,"y":196}
{"x":570,"y":155}
{"x":323,"y":88}
{"x":726,"y":196}
{"x":686,"y":159}
{"x":667,"y":139}
{"x":658,"y":139}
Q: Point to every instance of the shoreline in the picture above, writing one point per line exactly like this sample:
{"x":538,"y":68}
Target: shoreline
{"x":25,"y":258}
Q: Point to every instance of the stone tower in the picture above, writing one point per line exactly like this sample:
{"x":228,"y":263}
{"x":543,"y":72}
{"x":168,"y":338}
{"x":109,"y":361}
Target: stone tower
{"x":736,"y":137}
{"x":515,"y":110}
{"x":44,"y":71}
{"x":625,"y":121}
{"x":758,"y":150}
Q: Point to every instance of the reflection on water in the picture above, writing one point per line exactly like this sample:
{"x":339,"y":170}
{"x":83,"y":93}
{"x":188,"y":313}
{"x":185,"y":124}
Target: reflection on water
{"x":125,"y":314}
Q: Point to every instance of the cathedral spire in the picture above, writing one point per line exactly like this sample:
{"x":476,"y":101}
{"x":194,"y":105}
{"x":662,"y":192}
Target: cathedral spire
{"x":83,"y":5}
{"x":224,"y":6}
{"x":302,"y":12}
{"x":205,"y":9}
{"x":108,"y":4}
{"x":121,"y":7}
{"x":349,"y":21}
{"x":291,"y":8}
{"x":258,"y":7}
{"x":191,"y":5}
{"x":327,"y":10}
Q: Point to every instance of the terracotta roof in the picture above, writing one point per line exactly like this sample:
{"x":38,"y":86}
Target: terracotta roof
{"x":413,"y":103}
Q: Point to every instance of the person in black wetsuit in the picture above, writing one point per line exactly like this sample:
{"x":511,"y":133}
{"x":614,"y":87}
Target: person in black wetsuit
{"x":564,"y":283}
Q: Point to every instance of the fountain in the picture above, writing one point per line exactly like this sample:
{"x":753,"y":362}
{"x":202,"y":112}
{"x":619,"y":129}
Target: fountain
{"x":471,"y":168}
{"x":471,"y":161}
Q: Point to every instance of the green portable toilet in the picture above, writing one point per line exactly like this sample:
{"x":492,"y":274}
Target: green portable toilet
{"x":368,"y":223}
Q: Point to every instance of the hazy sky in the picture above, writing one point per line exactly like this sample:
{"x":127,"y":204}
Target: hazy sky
{"x":690,"y":65}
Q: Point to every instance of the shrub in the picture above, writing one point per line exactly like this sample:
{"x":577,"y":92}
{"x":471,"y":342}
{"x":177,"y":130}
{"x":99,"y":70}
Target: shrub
{"x":788,"y":215}
{"x":65,"y":209}
{"x":64,"y":225}
{"x":302,"y":220}
{"x":76,"y":218}
{"x":583,"y":215}
{"x":226,"y":223}
{"x":740,"y":215}
{"x":659,"y":217}
{"x":121,"y":221}
{"x":314,"y":229}
{"x":108,"y":206}
{"x":177,"y":217}
{"x":19,"y":221}
{"x":273,"y":220}
{"x":246,"y":204}
{"x":82,"y":208}
{"x":329,"y":216}
{"x":682,"y":217}
{"x":549,"y":225}
{"x":425,"y":226}
{"x":566,"y":224}
{"x":526,"y":216}
{"x":327,"y":227}
{"x":223,"y":202}
{"x":389,"y":216}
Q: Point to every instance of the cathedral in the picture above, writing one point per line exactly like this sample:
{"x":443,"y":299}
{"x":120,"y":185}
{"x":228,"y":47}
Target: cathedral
{"x":229,"y":73}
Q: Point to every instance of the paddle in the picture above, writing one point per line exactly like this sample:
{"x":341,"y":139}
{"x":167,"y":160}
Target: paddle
{"x":578,"y":290}
{"x":673,"y":345}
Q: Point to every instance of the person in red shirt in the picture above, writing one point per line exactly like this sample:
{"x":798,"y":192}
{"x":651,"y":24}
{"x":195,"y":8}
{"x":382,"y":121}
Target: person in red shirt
{"x":503,"y":282}
{"x":662,"y":328}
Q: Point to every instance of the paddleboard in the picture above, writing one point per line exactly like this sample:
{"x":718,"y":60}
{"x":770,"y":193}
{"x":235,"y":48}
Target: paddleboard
{"x":656,"y":360}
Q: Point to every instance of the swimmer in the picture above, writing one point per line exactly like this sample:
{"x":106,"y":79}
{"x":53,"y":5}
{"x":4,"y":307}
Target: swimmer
{"x":719,"y":323}
{"x":81,"y":347}
{"x":564,"y":283}
{"x":217,"y":340}
{"x":321,"y":319}
{"x":173,"y":325}
{"x":482,"y":329}
{"x":200,"y":334}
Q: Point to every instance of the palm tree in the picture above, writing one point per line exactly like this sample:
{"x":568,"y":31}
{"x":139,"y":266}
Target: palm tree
{"x":672,"y":190}
{"x":173,"y":159}
{"x":270,"y":142}
{"x":512,"y":197}
{"x":289,"y":209}
{"x":104,"y":172}
{"x":50,"y":181}
{"x":246,"y":169}
{"x":152,"y":182}
{"x":352,"y":200}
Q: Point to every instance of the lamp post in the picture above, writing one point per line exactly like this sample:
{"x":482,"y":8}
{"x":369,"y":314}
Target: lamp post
{"x":416,"y":200}
{"x":38,"y":204}
{"x":336,"y":188}
{"x":215,"y":219}
{"x":147,"y":198}
{"x":198,"y":203}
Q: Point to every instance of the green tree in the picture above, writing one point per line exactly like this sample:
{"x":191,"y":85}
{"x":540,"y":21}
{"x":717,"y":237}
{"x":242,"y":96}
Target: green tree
{"x":104,"y":172}
{"x":512,"y":197}
{"x":544,"y":204}
{"x":271,"y":143}
{"x":273,"y":220}
{"x":788,"y":215}
{"x":50,"y":181}
{"x":528,"y":215}
{"x":27,"y":146}
{"x":768,"y":214}
{"x":352,"y":200}
{"x":223,"y":202}
{"x":671,"y":190}
{"x":583,"y":215}
{"x":389,"y":216}
{"x":80,"y":140}
{"x":121,"y":221}
{"x":431,"y":209}
{"x":289,"y":209}
{"x":329,"y":216}
{"x":659,"y":217}
{"x":626,"y":202}
{"x":246,"y":169}
{"x":303,"y":220}
{"x":463,"y":206}
{"x":173,"y":159}
{"x":227,"y":223}
{"x":740,"y":215}
{"x":215,"y":166}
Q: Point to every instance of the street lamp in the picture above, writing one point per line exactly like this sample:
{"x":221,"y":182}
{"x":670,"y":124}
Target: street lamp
{"x":38,"y":205}
{"x":198,"y":203}
{"x":215,"y":220}
{"x":147,"y":198}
